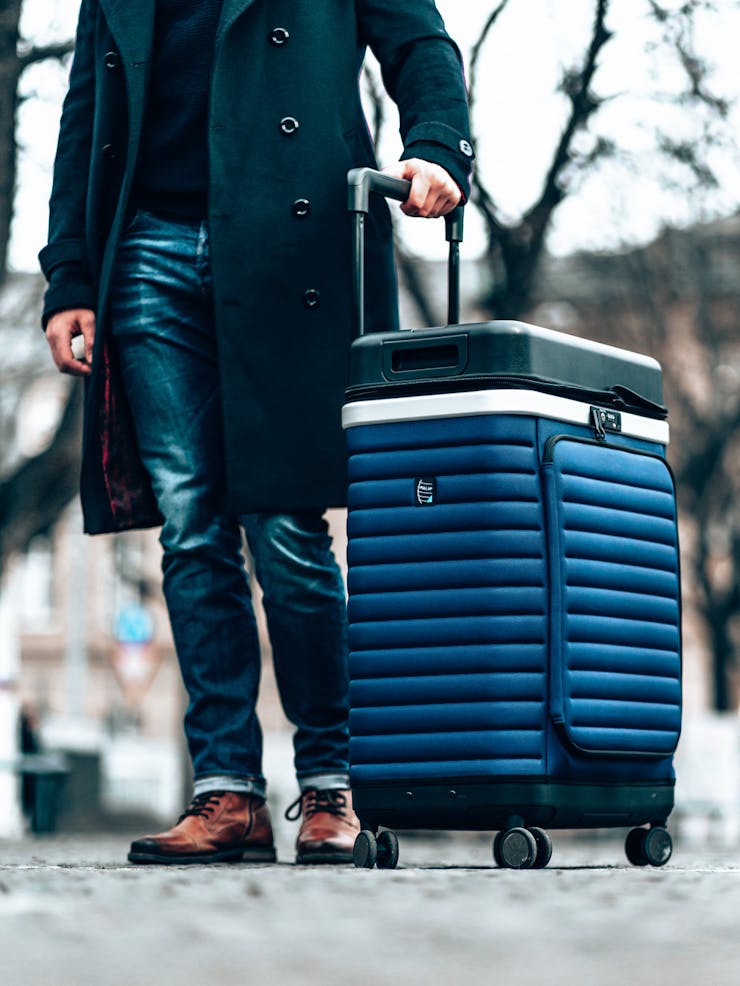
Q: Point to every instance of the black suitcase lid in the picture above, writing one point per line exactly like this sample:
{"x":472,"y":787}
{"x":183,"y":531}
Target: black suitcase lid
{"x":502,"y":354}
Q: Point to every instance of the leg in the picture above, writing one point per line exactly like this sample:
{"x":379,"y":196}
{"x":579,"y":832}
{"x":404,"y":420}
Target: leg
{"x":307,"y":618}
{"x":306,"y":613}
{"x":163,"y":325}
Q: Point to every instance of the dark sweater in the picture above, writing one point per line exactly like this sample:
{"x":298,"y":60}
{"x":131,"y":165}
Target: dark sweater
{"x":172,"y":171}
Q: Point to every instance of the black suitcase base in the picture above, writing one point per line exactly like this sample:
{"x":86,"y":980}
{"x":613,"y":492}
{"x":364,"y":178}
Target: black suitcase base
{"x":517,"y":809}
{"x":486,"y":804}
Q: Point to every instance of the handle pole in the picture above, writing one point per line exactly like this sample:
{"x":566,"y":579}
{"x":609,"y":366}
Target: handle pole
{"x":361,"y":182}
{"x":454,"y":236}
{"x":358,"y":272}
{"x":453,"y":285}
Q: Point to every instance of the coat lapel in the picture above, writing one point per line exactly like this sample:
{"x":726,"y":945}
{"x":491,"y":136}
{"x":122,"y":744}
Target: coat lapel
{"x":131,"y":23}
{"x":229,"y":13}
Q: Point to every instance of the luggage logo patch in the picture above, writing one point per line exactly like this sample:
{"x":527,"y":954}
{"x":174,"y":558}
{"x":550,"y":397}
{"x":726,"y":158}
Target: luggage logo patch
{"x":426,"y":491}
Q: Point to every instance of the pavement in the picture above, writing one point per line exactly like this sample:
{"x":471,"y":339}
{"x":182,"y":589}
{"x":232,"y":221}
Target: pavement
{"x":73,"y":913}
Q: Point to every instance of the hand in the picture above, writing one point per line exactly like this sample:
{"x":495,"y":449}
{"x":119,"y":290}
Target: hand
{"x":433,"y":192}
{"x":61,"y":330}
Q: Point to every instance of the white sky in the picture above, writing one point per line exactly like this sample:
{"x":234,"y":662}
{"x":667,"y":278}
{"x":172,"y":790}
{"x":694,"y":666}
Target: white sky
{"x":518,"y":119}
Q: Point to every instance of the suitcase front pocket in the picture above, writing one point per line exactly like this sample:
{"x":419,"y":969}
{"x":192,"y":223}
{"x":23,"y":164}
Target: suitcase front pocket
{"x":615,"y":613}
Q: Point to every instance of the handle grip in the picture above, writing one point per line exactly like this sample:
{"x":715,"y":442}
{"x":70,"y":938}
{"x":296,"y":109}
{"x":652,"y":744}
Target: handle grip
{"x":361,"y":182}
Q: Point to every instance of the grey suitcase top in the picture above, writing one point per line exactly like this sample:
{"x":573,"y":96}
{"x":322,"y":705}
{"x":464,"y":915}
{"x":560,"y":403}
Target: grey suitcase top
{"x":502,"y":354}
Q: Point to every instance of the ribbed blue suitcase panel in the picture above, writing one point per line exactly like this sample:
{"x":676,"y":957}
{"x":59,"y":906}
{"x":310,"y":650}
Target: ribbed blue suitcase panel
{"x":460,"y":769}
{"x":432,"y":689}
{"x":615,"y":611}
{"x":525,"y":657}
{"x":448,"y":607}
{"x":497,"y":546}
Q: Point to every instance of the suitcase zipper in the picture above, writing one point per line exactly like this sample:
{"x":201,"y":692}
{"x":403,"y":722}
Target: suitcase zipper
{"x":618,"y":397}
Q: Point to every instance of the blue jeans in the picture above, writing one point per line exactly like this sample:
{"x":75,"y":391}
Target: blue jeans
{"x":162,"y":319}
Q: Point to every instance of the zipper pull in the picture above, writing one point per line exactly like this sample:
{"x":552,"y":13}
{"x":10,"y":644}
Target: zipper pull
{"x":598,"y":426}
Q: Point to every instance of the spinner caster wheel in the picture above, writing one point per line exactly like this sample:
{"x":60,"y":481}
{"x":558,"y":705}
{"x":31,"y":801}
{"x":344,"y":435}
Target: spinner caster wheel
{"x":658,"y":846}
{"x":365,"y":851}
{"x":387,"y":850}
{"x":649,"y":847}
{"x":515,"y":849}
{"x":634,"y":847}
{"x":544,"y":848}
{"x":497,"y":849}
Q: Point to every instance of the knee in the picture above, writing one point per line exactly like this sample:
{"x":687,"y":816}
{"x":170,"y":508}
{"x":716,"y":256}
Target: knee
{"x":294,"y":562}
{"x":193,"y":525}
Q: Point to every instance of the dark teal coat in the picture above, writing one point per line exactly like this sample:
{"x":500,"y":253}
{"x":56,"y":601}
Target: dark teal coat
{"x":281,"y":277}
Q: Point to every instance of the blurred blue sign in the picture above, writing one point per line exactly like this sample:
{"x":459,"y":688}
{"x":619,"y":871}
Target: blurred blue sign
{"x":134,"y":625}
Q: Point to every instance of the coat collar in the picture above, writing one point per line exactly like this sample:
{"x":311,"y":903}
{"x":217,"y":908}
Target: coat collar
{"x":132,"y":23}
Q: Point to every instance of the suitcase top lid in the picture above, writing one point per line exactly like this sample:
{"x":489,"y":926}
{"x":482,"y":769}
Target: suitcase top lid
{"x":496,"y":354}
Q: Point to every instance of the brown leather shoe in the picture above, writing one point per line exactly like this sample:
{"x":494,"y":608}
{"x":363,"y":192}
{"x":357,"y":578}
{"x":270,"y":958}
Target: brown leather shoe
{"x":217,"y":827}
{"x":328,"y":829}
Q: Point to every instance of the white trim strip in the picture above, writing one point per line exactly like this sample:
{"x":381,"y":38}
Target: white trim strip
{"x":469,"y":403}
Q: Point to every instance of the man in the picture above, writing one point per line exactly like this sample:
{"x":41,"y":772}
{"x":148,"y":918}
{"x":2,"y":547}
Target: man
{"x":200,"y":245}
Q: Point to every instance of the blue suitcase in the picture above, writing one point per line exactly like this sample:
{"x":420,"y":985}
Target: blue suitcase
{"x":514,"y":585}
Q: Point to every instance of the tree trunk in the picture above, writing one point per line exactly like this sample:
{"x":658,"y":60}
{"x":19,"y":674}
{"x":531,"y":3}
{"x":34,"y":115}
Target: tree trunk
{"x":10,"y":69}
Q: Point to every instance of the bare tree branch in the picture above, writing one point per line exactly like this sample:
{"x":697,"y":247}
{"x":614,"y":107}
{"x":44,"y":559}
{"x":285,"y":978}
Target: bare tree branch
{"x":678,"y":28}
{"x":42,"y":53}
{"x":576,"y":85}
{"x":475,"y":51}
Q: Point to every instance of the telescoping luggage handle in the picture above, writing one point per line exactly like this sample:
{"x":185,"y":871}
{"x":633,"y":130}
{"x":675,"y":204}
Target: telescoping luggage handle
{"x":363,"y":181}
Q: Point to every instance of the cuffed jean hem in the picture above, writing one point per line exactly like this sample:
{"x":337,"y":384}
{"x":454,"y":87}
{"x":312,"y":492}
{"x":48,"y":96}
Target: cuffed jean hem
{"x":324,"y":782}
{"x":229,"y":782}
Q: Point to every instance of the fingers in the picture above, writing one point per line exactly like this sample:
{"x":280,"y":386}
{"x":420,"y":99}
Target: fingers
{"x":433,"y":191}
{"x":87,"y":325}
{"x":61,"y":330}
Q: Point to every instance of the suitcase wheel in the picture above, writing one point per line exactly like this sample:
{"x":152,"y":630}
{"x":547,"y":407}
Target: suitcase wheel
{"x":515,"y":849}
{"x":365,"y":851}
{"x":649,"y":847}
{"x":387,"y":850}
{"x":544,"y":848}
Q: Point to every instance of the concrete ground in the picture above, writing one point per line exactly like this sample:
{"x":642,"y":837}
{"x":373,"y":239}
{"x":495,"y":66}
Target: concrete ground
{"x":73,"y":913}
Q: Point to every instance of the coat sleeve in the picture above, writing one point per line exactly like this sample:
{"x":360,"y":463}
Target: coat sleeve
{"x":63,"y":260}
{"x":423,"y":73}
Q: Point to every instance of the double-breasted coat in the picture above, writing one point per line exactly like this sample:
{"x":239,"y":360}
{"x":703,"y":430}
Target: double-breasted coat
{"x":285,"y":125}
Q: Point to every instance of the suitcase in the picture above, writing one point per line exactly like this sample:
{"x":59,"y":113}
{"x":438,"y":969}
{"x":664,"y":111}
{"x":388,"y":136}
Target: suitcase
{"x":513,"y":580}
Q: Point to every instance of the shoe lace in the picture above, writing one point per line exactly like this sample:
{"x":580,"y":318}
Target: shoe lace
{"x":312,"y":801}
{"x":203,"y":804}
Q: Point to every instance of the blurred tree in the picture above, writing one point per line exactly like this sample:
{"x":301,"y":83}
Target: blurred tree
{"x":16,"y":55}
{"x":515,"y":249}
{"x":35,"y":484}
{"x":679,"y":149}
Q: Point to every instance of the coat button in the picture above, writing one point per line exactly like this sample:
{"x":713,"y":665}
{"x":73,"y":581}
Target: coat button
{"x":311,"y":298}
{"x":289,"y":125}
{"x":301,"y":208}
{"x":111,"y":59}
{"x":109,"y":152}
{"x":466,"y":147}
{"x":279,"y":36}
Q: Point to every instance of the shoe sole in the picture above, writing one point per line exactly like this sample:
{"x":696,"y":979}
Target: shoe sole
{"x":254,"y":855}
{"x":309,"y":858}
